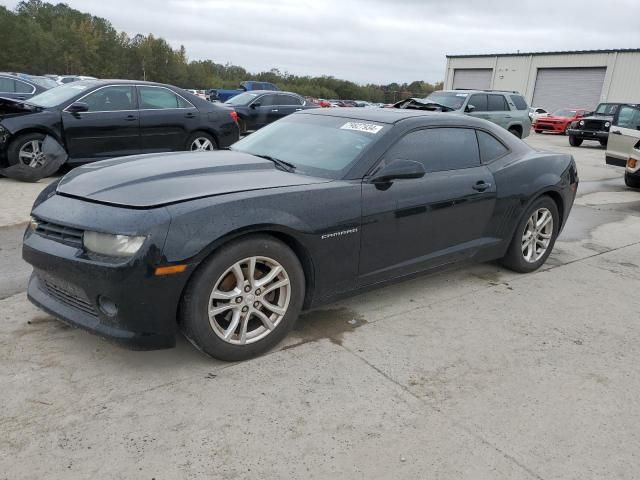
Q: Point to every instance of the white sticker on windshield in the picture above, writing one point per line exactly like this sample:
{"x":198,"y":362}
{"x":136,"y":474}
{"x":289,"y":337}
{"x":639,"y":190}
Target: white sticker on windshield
{"x":461,"y":94}
{"x":362,"y":127}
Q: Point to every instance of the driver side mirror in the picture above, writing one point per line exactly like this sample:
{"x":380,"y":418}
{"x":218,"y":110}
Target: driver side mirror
{"x":399,"y":169}
{"x":77,"y":107}
{"x":255,"y":105}
{"x":469,"y":109}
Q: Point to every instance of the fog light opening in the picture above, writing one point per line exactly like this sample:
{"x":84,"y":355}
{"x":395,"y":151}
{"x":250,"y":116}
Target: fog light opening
{"x":107,"y":306}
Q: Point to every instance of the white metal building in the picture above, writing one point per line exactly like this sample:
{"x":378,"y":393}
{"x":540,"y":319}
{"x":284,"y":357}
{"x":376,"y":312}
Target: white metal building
{"x":552,"y":80}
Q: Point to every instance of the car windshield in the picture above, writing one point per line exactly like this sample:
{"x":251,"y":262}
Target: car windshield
{"x":607,"y":108}
{"x":452,"y":100}
{"x":59,"y":95}
{"x":241,"y":99}
{"x":318,"y":145}
{"x":564,"y":113}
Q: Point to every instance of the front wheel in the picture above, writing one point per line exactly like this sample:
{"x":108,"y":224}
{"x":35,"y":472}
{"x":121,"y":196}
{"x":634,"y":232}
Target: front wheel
{"x":574,"y":141}
{"x":603,"y":141}
{"x":27,"y":160}
{"x":243,"y":300}
{"x":534,"y":237}
{"x":632,"y":181}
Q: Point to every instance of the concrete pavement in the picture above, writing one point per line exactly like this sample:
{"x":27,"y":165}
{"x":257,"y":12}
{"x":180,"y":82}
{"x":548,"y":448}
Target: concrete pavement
{"x":477,"y":373}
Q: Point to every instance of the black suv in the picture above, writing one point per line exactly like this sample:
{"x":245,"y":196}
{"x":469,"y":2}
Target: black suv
{"x":593,"y":126}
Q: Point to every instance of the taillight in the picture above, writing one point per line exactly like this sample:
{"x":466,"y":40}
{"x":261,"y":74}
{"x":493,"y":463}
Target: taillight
{"x":234,"y":115}
{"x":632,"y":163}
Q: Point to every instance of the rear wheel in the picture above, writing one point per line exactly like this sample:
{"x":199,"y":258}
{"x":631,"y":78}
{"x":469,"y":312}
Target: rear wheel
{"x":632,"y":181}
{"x":534,"y":237}
{"x":244,"y":300}
{"x":574,"y":141}
{"x":516,"y":131}
{"x":201,"y":142}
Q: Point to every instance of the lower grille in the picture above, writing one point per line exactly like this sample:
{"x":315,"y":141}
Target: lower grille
{"x":60,"y":233}
{"x":71,"y":298}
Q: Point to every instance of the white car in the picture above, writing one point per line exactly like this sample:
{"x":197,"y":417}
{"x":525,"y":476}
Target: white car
{"x":62,"y":79}
{"x":535,"y":112}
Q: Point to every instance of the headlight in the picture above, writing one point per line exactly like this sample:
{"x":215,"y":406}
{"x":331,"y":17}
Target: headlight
{"x":607,"y":124}
{"x":581,"y":123}
{"x":33,"y":224}
{"x":112,"y":245}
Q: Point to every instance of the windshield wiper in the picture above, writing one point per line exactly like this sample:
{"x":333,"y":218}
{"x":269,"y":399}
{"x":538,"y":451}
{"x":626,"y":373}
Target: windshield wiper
{"x":286,"y":166}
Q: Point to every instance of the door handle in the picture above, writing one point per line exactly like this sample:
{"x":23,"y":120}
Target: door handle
{"x":616,"y":132}
{"x":298,"y":109}
{"x":508,"y":116}
{"x":131,"y":118}
{"x":481,"y":186}
{"x":274,"y":110}
{"x":190,"y":115}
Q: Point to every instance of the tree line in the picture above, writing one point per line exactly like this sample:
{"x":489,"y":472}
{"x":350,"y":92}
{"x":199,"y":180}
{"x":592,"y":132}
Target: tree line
{"x":43,"y":38}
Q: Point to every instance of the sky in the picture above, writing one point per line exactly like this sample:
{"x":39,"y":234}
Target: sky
{"x":368,"y":41}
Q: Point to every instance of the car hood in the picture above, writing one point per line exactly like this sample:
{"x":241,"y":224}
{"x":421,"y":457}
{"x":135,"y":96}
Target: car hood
{"x":557,"y":119}
{"x":153,"y":180}
{"x":597,"y":116}
{"x":11,"y":107}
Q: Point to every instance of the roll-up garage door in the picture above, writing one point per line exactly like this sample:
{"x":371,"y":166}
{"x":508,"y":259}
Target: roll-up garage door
{"x":568,"y":87}
{"x":473,"y":78}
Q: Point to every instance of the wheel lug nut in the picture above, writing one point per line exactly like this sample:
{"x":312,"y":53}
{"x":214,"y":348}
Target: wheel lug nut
{"x":244,"y":309}
{"x":256,"y":304}
{"x":247,"y":289}
{"x":238,"y":299}
{"x":258,"y":292}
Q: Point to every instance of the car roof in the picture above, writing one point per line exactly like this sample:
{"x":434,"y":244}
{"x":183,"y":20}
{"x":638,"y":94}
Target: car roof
{"x":393,"y":115}
{"x":275,"y":92}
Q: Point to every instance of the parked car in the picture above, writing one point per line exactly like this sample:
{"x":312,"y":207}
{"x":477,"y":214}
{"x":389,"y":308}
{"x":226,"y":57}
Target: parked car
{"x":558,"y":121}
{"x":22,"y":86}
{"x":229,"y":246}
{"x":222,"y":95}
{"x":593,"y":126}
{"x":507,"y":109}
{"x":258,"y":108}
{"x":64,"y":79}
{"x":535,"y":112}
{"x":92,"y":120}
{"x":623,"y":148}
{"x":197,"y":93}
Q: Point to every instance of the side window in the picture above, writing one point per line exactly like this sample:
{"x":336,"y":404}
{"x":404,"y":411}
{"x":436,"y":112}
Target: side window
{"x":268,"y":100}
{"x":628,"y":117}
{"x":7,"y":85}
{"x":157,"y":98}
{"x":521,"y":103}
{"x":22,"y":87}
{"x":110,"y":99}
{"x":479,"y":101}
{"x":490,"y":147}
{"x":497,"y":103}
{"x":288,"y":100}
{"x":438,"y":149}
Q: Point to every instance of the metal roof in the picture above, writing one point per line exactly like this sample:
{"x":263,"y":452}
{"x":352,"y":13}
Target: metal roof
{"x":566,"y":52}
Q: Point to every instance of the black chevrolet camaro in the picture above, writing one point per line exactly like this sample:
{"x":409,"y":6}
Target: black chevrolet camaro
{"x":92,"y":120}
{"x":229,"y":246}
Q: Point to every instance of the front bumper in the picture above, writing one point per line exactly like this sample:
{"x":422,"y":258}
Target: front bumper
{"x":588,"y":134}
{"x":550,"y":127}
{"x":119,"y":299}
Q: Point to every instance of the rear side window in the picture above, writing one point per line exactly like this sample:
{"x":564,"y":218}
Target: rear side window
{"x":22,"y":87}
{"x":160,"y":98}
{"x":438,"y":149}
{"x":521,"y":103}
{"x":7,"y":85}
{"x":479,"y":101}
{"x":497,"y":103}
{"x":288,"y":100}
{"x":490,"y":147}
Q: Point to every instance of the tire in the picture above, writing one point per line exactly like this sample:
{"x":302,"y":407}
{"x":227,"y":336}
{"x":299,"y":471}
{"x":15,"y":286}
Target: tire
{"x":603,"y":142}
{"x":632,"y":181}
{"x":20,"y":170}
{"x":205,"y":141}
{"x":515,"y":259}
{"x":574,"y":141}
{"x":207,"y":331}
{"x":516,"y":132}
{"x":538,"y":131}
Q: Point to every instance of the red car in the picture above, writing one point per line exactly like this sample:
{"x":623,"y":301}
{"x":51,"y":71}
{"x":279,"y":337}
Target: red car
{"x":558,"y":121}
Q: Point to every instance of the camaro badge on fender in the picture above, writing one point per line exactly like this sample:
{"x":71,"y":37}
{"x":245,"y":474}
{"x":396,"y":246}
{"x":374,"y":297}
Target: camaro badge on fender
{"x":339,"y":234}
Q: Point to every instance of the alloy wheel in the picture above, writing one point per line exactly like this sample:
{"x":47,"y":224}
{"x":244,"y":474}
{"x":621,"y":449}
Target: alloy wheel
{"x":31,"y":154}
{"x":202,"y":144}
{"x":249,"y":300}
{"x":537,"y":235}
